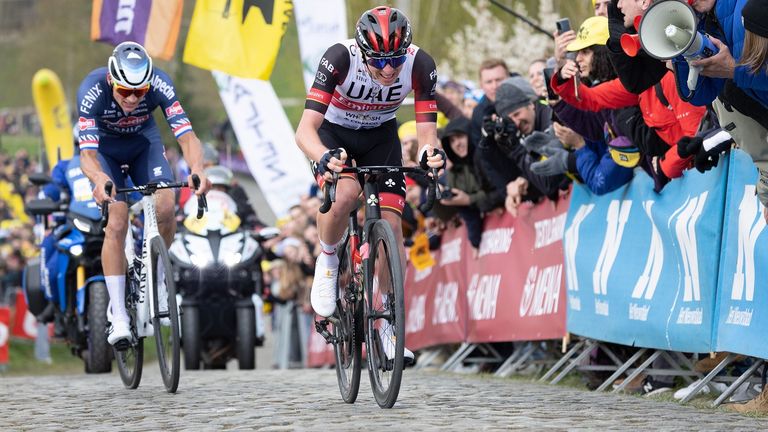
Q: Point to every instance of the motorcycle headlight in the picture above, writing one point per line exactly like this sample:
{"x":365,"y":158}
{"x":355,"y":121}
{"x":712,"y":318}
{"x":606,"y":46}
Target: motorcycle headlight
{"x":232,"y":259}
{"x":76,"y":250}
{"x":198,"y":260}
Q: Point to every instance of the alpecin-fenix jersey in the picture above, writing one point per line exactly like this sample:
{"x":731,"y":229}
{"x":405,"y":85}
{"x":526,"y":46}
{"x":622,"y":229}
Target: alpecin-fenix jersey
{"x":99,"y":115}
{"x":346,"y":94}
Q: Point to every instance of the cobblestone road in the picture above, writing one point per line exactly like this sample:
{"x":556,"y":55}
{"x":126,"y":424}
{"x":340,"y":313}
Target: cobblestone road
{"x":309,"y":400}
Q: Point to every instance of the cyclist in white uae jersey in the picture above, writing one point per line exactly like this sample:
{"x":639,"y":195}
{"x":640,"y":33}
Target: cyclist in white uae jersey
{"x":351,"y":106}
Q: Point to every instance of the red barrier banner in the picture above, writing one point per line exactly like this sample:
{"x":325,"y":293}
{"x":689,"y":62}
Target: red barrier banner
{"x":24,"y":323}
{"x":516,"y":287}
{"x":5,"y":322}
{"x":320,"y":354}
{"x":435,"y":298}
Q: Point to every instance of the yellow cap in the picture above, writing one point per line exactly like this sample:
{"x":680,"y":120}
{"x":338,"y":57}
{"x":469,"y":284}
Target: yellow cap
{"x":593,"y":31}
{"x":626,"y":157}
{"x":407,"y":130}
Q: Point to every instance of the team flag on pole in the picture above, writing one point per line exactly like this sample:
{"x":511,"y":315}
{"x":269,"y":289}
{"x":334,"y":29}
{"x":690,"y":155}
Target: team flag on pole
{"x":152,"y":23}
{"x":238,"y":37}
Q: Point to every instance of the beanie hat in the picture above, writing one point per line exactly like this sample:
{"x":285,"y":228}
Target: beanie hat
{"x":755,"y":15}
{"x":523,"y":84}
{"x":509,"y":98}
{"x":593,"y":31}
{"x":407,"y":130}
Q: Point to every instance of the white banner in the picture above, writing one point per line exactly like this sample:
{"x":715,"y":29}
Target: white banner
{"x":320,"y":25}
{"x":266,"y":140}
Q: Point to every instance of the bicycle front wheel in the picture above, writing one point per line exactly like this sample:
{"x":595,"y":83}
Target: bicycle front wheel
{"x":130,"y":362}
{"x":385,"y":315}
{"x":349,"y":330}
{"x":165,"y":316}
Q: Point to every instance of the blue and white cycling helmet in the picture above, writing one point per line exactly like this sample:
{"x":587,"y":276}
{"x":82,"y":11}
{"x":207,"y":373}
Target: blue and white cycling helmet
{"x":130,"y":66}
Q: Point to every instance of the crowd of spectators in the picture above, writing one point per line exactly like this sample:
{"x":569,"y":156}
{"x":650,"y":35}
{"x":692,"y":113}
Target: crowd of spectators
{"x":594,"y":114}
{"x":17,"y":242}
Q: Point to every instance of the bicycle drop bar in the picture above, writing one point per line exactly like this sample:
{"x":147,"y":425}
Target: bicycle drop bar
{"x":149,"y":189}
{"x":329,"y":190}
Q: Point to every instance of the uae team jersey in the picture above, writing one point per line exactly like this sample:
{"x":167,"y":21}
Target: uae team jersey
{"x":100,"y":116}
{"x":347,"y":95}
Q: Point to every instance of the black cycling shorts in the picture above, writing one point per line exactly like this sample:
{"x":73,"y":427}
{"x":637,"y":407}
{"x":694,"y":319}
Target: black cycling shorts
{"x":368,"y":147}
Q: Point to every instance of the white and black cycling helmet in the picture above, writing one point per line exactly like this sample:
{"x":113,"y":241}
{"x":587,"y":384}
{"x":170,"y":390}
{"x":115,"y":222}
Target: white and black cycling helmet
{"x":130,"y":66}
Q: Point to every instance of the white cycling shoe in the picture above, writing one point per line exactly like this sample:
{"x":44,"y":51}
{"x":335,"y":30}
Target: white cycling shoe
{"x":119,"y":331}
{"x":388,"y":341}
{"x":323,"y":295}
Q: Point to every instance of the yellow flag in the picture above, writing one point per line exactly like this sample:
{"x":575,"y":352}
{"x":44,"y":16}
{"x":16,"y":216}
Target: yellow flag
{"x":238,"y":37}
{"x":420,"y":255}
{"x":53,"y":112}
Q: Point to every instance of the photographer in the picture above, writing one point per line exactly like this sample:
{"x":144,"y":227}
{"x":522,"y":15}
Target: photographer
{"x":518,"y":117}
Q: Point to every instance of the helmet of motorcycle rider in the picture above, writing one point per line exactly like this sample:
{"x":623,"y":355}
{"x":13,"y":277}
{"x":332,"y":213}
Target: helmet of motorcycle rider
{"x":219,"y":176}
{"x":383,"y":33}
{"x":130,"y":66}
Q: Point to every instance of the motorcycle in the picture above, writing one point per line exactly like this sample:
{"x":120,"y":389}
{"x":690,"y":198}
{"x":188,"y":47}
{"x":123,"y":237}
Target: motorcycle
{"x":217,"y":269}
{"x":76,"y":297}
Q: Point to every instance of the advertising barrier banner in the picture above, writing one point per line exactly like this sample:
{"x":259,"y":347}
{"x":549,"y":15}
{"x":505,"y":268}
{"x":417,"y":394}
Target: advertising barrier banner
{"x":743,"y":293}
{"x":319,"y":354}
{"x":319,"y":25}
{"x":24,"y":323}
{"x":515,"y":287}
{"x":435,"y":297}
{"x":5,"y":321}
{"x":642,"y":267}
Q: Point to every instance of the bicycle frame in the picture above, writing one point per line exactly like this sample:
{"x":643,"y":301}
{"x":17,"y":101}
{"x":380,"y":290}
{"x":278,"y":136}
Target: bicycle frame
{"x":143,"y":273}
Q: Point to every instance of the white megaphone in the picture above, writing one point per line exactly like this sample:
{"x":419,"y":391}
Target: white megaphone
{"x":668,"y":30}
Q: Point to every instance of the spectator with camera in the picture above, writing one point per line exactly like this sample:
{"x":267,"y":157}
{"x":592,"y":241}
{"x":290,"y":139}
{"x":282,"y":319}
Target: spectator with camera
{"x":661,"y":107}
{"x":492,"y":73}
{"x":518,"y":118}
{"x":591,"y":161}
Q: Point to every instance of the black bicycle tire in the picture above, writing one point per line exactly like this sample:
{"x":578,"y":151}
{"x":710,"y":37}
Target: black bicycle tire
{"x":131,"y":377}
{"x":385,"y":397}
{"x":98,"y":358}
{"x":349,"y":386}
{"x":158,"y":251}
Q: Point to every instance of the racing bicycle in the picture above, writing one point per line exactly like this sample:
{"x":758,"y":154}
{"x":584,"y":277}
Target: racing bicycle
{"x":370,"y":301}
{"x":157,"y":313}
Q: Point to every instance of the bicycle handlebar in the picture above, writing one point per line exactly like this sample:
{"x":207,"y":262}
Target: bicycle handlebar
{"x":329,"y":189}
{"x":148,"y":189}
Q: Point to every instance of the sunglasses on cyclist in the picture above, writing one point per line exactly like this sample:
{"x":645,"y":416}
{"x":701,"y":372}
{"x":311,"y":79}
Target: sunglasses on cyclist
{"x":381,"y":63}
{"x":127,"y":92}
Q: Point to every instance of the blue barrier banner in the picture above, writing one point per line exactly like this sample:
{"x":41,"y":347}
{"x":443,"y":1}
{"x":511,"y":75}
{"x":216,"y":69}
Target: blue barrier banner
{"x":743,"y":293}
{"x":642,"y":267}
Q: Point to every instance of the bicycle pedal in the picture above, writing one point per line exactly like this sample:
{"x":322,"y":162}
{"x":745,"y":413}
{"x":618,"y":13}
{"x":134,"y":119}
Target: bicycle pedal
{"x":322,"y":328}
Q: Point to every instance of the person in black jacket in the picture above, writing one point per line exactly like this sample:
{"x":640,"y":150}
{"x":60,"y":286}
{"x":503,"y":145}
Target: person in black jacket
{"x":518,"y":117}
{"x":467,"y":192}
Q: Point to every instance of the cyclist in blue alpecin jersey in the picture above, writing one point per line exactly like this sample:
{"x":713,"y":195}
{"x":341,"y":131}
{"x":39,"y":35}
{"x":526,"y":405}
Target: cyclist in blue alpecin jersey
{"x":116,"y":128}
{"x":359,"y":85}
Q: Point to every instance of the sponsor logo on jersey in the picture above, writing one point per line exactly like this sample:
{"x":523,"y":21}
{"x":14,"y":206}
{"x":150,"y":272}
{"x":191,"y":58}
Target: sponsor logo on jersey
{"x":321,"y":77}
{"x":174,"y":110}
{"x":327,"y":65}
{"x":130,"y":121}
{"x":86,"y":123}
{"x":159,"y":85}
{"x":86,"y":103}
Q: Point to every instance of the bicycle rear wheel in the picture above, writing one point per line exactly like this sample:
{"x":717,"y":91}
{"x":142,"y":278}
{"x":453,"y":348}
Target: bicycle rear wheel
{"x":385,"y":315}
{"x":349,"y":330}
{"x":165,"y":316}
{"x":130,"y":362}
